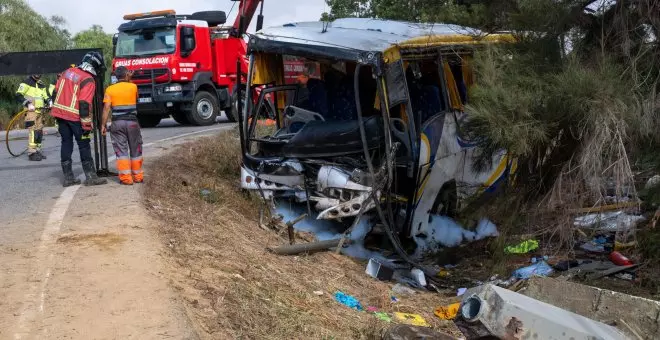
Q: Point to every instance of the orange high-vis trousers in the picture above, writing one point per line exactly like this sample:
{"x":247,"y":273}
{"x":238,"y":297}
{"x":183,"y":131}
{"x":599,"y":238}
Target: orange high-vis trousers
{"x":127,"y":143}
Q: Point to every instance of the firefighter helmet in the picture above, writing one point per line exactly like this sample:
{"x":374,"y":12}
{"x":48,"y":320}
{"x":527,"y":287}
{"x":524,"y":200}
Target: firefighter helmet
{"x":95,"y":59}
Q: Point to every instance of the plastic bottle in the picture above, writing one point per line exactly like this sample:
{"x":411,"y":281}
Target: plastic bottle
{"x":620,"y":260}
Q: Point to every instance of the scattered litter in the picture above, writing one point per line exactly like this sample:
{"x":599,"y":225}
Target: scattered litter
{"x":447,"y":312}
{"x":394,"y":299}
{"x":620,"y":245}
{"x":593,"y":247}
{"x":443,"y":273}
{"x":619,"y":259}
{"x":318,"y":293}
{"x":348,"y":301}
{"x":238,"y":276}
{"x":540,"y":268}
{"x":402,"y":290}
{"x":625,"y":276}
{"x":383,"y":316}
{"x":418,"y":275}
{"x":610,"y":221}
{"x":406,"y":277}
{"x":461,"y":291}
{"x":522,"y":248}
{"x":372,"y":309}
{"x":379,"y":271}
{"x":411,"y":319}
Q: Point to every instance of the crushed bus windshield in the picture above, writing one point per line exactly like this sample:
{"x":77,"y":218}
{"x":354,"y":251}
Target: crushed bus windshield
{"x":146,"y":42}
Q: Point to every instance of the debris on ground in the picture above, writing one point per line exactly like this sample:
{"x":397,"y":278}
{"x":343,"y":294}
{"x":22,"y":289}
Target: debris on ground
{"x":411,"y":319}
{"x":348,"y":301}
{"x":522,"y":248}
{"x":540,"y":268}
{"x":378,"y":270}
{"x":447,"y":312}
{"x":608,"y":221}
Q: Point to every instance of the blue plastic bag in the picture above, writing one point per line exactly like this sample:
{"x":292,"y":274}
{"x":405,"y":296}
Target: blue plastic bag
{"x":540,"y":268}
{"x":348,"y":301}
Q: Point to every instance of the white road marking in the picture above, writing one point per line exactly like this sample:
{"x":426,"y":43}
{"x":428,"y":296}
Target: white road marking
{"x":49,"y":236}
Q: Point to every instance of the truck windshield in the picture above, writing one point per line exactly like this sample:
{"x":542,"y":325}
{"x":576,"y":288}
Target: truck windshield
{"x":146,"y":42}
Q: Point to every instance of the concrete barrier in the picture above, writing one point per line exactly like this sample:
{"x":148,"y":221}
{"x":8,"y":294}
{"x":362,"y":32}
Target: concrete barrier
{"x":635,"y":316}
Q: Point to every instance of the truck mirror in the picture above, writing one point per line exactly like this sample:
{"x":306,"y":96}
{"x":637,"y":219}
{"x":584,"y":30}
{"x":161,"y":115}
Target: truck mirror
{"x":187,"y":40}
{"x":115,"y":38}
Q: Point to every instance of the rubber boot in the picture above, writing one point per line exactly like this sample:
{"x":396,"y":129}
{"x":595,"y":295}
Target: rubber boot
{"x":35,"y":157}
{"x":90,"y":174}
{"x":69,"y":178}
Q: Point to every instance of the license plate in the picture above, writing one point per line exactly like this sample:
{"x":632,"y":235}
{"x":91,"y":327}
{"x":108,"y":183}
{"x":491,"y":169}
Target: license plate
{"x":144,"y":100}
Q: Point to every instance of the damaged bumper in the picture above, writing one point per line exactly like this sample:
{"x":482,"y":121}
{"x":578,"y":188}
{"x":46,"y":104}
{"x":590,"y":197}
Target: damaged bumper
{"x":334,"y":192}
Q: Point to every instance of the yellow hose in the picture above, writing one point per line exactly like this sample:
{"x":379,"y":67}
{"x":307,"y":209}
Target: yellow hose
{"x":10,"y":126}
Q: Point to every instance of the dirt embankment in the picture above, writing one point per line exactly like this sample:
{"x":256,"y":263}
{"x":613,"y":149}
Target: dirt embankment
{"x":232,"y":286}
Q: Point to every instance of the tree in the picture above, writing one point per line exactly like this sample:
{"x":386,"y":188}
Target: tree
{"x":23,"y":29}
{"x":95,"y":37}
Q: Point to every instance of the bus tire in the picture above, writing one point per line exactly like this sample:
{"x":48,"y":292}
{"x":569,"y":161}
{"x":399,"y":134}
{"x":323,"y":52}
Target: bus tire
{"x":205,"y":109}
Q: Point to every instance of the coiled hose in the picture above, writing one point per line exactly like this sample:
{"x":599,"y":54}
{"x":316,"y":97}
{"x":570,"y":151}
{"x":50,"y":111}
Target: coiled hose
{"x":10,"y":127}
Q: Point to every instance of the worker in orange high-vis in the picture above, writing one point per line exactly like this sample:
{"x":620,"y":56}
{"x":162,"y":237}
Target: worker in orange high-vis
{"x":120,"y":103}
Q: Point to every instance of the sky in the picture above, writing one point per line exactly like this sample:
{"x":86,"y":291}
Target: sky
{"x":82,"y":15}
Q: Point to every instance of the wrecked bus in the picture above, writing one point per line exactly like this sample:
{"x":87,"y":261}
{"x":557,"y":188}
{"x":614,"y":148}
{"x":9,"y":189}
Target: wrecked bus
{"x":368,"y":121}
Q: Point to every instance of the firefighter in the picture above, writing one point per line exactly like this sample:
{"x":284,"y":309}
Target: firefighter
{"x":34,"y":95}
{"x":120,"y":102}
{"x":72,"y":107}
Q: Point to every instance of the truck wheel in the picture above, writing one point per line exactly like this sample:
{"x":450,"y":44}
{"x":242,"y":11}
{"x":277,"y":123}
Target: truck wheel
{"x":181,"y":118}
{"x":148,"y":121}
{"x":205,"y":109}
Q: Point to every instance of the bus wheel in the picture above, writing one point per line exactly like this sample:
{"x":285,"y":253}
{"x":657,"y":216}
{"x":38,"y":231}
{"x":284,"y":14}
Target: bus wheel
{"x":205,"y":109}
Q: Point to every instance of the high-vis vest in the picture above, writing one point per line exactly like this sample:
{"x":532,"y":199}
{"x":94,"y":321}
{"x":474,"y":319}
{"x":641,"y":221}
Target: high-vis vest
{"x":73,"y":86}
{"x":33,"y":91}
{"x":122,"y":97}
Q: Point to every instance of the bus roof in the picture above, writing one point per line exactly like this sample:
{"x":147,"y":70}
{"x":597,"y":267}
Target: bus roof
{"x":350,"y":38}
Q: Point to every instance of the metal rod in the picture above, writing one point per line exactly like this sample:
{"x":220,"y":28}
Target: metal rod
{"x":307,"y":247}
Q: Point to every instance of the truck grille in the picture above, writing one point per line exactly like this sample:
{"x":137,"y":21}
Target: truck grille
{"x":146,"y":74}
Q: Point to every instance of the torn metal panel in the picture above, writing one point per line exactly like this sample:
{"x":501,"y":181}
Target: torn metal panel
{"x":489,"y":310}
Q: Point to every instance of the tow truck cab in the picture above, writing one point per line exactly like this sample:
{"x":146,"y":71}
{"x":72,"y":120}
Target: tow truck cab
{"x":183,"y":65}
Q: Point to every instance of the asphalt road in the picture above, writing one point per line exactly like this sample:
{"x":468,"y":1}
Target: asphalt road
{"x":28,"y":190}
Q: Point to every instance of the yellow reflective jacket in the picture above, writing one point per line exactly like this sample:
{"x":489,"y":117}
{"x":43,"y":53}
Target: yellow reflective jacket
{"x":34,"y":91}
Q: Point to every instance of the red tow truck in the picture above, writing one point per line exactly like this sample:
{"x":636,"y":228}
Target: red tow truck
{"x":185,"y":65}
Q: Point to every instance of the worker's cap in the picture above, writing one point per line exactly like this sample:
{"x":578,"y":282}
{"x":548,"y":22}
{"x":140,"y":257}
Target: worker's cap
{"x":121,"y":72}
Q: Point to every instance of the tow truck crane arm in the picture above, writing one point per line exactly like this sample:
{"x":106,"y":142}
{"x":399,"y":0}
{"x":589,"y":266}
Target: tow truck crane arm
{"x":246,"y":11}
